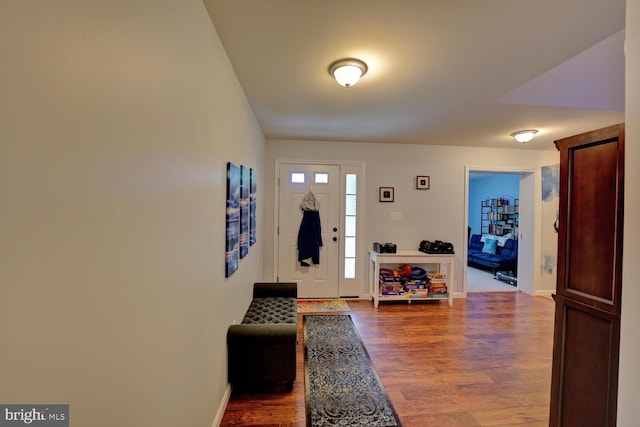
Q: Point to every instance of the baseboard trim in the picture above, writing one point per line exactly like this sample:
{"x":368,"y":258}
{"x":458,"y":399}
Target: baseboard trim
{"x":222,"y":407}
{"x":545,"y":294}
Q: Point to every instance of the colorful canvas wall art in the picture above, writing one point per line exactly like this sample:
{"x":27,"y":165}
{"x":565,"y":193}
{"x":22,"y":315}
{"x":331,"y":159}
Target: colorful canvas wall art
{"x":244,"y":211}
{"x":550,"y":182}
{"x":233,"y":219}
{"x":252,"y":205}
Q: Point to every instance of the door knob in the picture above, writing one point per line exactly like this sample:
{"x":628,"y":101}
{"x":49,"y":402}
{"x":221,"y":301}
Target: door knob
{"x":335,"y":239}
{"x":335,"y":229}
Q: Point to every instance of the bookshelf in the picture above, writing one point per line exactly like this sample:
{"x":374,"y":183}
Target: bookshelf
{"x":500,"y":216}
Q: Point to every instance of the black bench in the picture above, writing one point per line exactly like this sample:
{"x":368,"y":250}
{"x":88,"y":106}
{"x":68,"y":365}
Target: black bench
{"x":263,"y":347}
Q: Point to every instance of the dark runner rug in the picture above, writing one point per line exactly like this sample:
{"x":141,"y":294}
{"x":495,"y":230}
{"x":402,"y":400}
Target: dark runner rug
{"x":342,"y":387}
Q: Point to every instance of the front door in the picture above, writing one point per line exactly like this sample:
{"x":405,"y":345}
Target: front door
{"x":296,"y":180}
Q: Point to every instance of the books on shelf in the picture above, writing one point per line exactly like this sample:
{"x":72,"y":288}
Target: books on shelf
{"x":445,"y":295}
{"x":438,"y":285}
{"x":418,"y":293}
{"x":388,"y":289}
{"x":434,"y":286}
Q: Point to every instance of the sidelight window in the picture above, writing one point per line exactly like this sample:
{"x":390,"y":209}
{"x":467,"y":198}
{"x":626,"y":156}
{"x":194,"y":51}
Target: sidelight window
{"x":350,"y":226}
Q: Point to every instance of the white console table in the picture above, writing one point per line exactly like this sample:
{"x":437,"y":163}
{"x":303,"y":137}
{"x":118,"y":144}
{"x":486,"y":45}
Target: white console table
{"x":444,"y":264}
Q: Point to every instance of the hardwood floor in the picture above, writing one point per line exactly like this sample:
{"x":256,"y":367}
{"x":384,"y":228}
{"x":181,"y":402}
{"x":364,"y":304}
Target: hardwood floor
{"x":486,"y":361}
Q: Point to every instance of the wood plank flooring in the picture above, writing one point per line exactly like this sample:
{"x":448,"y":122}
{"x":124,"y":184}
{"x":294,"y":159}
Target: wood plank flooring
{"x":486,"y":361}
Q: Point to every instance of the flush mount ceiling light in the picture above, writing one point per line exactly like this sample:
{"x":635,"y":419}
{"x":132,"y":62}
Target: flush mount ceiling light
{"x":347,"y":71}
{"x":524,"y":135}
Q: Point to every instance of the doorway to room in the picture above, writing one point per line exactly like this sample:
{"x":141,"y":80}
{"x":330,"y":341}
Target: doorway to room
{"x":499,"y":207}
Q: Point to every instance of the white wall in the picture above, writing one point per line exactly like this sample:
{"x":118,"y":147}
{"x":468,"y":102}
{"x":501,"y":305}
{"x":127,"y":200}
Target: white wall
{"x":629,"y":383}
{"x":436,"y":214}
{"x":116,"y":123}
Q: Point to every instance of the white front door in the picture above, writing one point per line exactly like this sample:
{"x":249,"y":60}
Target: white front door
{"x":296,"y":180}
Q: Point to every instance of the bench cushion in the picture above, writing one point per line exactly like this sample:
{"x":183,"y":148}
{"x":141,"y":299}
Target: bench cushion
{"x":271,"y":310}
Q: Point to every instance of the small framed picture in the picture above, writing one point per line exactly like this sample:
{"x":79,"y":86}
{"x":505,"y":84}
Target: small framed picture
{"x":422,"y":182}
{"x":386,"y":194}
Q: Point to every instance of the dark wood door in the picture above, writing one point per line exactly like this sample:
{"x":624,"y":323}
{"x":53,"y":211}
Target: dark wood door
{"x":587,"y":319}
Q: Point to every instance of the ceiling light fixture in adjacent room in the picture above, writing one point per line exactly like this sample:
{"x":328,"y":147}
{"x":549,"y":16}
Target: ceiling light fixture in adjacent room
{"x":524,"y":135}
{"x":347,"y":71}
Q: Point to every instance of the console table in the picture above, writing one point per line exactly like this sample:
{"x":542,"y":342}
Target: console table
{"x":443,"y":265}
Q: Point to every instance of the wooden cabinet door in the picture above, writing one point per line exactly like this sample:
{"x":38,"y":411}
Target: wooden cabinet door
{"x":587,"y":319}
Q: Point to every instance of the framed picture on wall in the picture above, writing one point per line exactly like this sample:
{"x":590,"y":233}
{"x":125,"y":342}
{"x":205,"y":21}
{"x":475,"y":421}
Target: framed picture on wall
{"x":422,"y":182}
{"x":386,"y":194}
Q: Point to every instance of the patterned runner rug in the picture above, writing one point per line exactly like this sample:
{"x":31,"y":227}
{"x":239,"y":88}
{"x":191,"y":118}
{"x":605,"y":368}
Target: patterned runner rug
{"x":342,"y":387}
{"x":322,"y":306}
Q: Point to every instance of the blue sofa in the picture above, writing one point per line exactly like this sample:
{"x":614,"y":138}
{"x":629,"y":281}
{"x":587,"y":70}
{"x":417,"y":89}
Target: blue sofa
{"x":505,"y":257}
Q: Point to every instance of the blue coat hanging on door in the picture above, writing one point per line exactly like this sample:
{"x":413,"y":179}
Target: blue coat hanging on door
{"x":310,"y":233}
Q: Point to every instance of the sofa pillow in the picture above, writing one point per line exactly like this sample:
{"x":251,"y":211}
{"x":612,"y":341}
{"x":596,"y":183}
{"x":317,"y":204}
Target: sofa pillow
{"x":490,"y":246}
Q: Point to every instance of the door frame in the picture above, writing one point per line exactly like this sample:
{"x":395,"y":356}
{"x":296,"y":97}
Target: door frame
{"x":533,"y":218}
{"x":346,"y":287}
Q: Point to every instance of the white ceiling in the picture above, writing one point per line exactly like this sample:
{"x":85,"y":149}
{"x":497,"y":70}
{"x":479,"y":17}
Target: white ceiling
{"x":445,"y":72}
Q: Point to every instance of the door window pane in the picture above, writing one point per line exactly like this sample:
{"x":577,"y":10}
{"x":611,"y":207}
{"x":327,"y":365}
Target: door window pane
{"x":322,"y":178}
{"x":350,"y":268}
{"x":297,"y":178}
{"x":350,"y":247}
{"x":350,"y":204}
{"x":351,"y":183}
{"x":350,"y":226}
